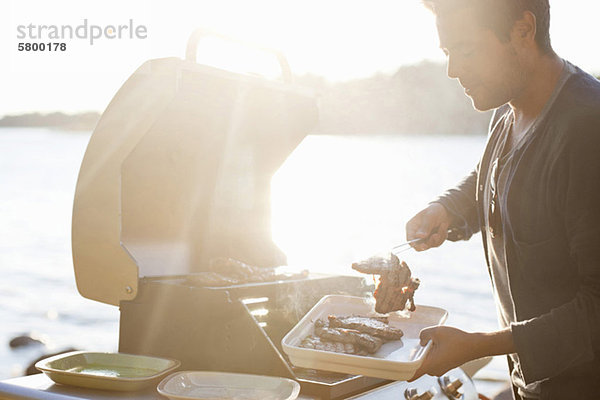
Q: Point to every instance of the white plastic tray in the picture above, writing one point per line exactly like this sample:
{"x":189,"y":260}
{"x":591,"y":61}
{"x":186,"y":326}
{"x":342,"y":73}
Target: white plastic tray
{"x":189,"y":385}
{"x":396,"y":360}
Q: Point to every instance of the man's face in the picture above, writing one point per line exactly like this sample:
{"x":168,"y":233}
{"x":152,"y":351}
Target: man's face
{"x":488,"y":69}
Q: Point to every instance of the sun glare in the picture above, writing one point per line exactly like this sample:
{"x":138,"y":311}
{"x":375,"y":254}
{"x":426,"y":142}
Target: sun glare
{"x":237,"y":57}
{"x":339,"y":40}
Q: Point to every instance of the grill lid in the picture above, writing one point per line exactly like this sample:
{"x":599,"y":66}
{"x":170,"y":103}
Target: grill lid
{"x":178,"y":171}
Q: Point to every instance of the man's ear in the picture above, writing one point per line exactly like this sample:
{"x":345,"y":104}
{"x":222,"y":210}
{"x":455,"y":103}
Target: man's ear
{"x":524,"y":30}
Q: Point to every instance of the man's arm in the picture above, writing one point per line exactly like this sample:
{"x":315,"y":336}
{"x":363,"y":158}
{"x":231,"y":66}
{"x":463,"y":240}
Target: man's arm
{"x":568,"y":335}
{"x":460,"y":212}
{"x":461,"y":203}
{"x":451,"y":348}
{"x":456,"y":210}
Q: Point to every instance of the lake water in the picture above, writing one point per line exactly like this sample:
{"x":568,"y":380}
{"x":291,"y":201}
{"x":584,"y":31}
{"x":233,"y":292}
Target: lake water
{"x":336,"y":200}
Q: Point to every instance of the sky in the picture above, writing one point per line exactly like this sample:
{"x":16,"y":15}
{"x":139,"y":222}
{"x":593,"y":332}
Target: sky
{"x":336,"y":39}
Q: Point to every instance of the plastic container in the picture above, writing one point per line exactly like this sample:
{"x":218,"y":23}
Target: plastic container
{"x":222,"y":385}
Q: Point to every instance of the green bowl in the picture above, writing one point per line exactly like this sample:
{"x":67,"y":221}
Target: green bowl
{"x":107,"y":371}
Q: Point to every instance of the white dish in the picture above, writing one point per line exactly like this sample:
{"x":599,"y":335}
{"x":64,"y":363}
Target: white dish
{"x":189,"y":385}
{"x":396,"y":360}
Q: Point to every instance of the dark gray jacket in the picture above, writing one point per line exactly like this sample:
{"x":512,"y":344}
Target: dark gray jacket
{"x":552,"y":229}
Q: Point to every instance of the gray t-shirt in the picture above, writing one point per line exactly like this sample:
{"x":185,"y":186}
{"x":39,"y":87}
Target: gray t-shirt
{"x":496,"y":242}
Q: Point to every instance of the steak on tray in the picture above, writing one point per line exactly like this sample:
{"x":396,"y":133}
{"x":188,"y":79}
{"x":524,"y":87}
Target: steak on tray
{"x":334,"y":334}
{"x":316,"y":343}
{"x":351,"y":335}
{"x":371,"y":326}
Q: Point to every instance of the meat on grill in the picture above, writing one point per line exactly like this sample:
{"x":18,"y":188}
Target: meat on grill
{"x":371,"y":326}
{"x":224,"y":271}
{"x":396,"y":286}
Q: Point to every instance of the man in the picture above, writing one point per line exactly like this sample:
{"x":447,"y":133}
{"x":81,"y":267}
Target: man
{"x":534,"y":195}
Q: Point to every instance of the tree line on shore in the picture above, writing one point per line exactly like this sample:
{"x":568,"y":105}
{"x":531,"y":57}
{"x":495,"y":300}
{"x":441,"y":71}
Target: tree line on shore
{"x":416,"y":99}
{"x":77,"y":122}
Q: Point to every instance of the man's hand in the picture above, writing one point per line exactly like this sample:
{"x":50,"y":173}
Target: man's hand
{"x":451,"y":348}
{"x":430,"y":224}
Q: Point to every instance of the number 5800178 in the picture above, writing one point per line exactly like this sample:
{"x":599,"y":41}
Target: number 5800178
{"x":50,"y":46}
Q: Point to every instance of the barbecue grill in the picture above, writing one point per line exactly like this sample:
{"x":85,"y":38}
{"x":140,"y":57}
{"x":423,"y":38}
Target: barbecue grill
{"x":176,"y":173}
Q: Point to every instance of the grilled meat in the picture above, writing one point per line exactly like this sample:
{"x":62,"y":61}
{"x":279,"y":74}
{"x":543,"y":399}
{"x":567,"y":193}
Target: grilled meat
{"x":376,"y":265}
{"x":239,"y":270}
{"x":316,"y":343}
{"x":396,"y":286}
{"x":371,"y":326}
{"x":365,"y":341}
{"x":211,"y":279}
{"x":351,"y":335}
{"x":391,"y":296}
{"x":227,"y":272}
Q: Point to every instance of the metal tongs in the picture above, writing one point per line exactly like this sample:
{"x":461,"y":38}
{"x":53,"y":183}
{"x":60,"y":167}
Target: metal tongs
{"x":405,"y":246}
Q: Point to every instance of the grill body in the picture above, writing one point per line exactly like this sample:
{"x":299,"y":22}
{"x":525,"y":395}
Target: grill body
{"x":234,"y":329}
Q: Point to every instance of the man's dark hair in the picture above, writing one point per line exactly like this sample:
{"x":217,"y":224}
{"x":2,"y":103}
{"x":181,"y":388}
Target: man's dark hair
{"x":500,"y":15}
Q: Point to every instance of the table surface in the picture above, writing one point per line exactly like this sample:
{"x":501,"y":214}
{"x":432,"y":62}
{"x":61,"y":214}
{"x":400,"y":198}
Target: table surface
{"x":40,"y":387}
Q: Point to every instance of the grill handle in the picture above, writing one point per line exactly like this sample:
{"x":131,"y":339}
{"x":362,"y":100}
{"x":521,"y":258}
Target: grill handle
{"x":201,"y":33}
